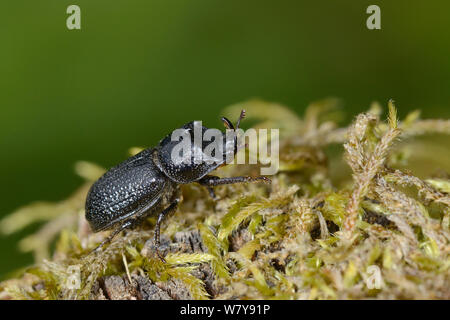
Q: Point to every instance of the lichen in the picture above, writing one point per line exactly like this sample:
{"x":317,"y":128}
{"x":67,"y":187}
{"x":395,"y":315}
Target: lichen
{"x":329,"y":217}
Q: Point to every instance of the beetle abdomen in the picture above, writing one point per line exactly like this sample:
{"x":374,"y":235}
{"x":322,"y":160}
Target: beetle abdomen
{"x":124,"y":189}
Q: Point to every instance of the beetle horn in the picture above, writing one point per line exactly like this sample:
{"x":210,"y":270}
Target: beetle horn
{"x":227,"y":123}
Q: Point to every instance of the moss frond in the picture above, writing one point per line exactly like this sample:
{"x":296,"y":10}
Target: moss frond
{"x":215,"y":248}
{"x":184,"y":258}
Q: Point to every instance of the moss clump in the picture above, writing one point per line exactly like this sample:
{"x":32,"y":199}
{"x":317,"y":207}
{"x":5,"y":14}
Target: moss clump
{"x":319,"y":231}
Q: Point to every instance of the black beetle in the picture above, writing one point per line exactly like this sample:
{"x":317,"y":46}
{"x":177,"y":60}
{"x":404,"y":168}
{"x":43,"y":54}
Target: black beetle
{"x":147,"y":183}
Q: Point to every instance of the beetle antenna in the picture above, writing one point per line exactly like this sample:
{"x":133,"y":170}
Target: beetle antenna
{"x":241,"y":116}
{"x":227,"y":123}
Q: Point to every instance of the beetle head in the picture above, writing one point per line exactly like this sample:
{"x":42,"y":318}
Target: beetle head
{"x":191,"y":152}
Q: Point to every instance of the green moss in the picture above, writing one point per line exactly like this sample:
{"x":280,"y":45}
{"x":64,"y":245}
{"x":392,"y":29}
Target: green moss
{"x":313,"y":233}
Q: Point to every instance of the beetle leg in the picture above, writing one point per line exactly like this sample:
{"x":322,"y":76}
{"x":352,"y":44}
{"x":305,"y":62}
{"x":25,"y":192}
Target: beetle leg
{"x":122,"y":227}
{"x":172,"y":207}
{"x":211,"y":181}
{"x":212,"y":194}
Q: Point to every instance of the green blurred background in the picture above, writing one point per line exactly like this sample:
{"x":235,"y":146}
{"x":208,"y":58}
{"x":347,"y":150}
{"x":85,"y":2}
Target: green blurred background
{"x":140,"y":68}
